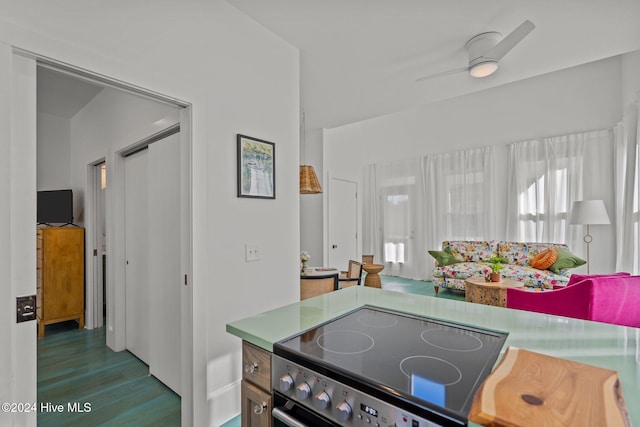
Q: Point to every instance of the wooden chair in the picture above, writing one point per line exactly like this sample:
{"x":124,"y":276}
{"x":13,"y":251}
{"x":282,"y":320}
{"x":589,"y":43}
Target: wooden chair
{"x":352,"y":276}
{"x":311,"y":286}
{"x":367,"y":259}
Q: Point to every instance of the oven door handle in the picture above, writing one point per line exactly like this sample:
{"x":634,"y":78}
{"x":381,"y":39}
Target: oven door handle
{"x":280,"y":414}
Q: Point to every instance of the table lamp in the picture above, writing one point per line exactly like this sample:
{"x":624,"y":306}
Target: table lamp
{"x":589,"y":212}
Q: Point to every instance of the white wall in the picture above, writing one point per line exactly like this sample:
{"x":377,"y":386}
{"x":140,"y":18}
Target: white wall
{"x":53,"y":152}
{"x":578,"y":99}
{"x":311,"y":204}
{"x":630,"y":78}
{"x":239,"y":78}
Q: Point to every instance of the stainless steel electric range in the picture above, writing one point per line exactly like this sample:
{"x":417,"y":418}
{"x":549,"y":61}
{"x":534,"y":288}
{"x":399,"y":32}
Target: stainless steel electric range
{"x":375,"y":367}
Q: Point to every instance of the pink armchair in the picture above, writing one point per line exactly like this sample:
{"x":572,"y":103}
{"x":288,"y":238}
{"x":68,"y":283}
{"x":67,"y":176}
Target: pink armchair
{"x":606,"y":298}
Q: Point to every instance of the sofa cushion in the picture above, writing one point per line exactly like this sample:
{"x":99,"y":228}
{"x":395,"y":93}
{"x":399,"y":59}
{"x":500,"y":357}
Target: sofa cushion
{"x":532,"y":277}
{"x":520,"y":253}
{"x":462,"y":270}
{"x":544,"y":259}
{"x":566,"y":260}
{"x":444,"y":257}
{"x":472,"y":250}
{"x":528,"y":275}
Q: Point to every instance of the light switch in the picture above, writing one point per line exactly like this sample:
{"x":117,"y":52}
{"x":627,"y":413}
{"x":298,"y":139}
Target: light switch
{"x":251,"y":252}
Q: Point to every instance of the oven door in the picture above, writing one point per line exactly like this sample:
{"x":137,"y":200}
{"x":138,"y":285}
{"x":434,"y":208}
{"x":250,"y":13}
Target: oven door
{"x":287,"y":413}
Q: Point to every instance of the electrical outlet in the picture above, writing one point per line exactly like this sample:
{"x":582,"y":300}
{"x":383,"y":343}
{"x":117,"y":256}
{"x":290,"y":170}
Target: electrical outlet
{"x":251,"y":252}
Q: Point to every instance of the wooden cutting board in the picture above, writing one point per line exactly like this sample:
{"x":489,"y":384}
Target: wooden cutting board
{"x":533,"y":389}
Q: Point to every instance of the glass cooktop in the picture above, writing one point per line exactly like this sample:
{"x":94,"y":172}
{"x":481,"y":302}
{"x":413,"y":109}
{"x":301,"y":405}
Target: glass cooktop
{"x":419,"y":358}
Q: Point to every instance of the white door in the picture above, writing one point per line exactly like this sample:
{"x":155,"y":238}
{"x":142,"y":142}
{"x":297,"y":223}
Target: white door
{"x":342,"y":222}
{"x":164,"y":261}
{"x":136,"y":249}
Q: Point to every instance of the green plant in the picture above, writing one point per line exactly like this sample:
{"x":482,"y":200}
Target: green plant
{"x":497,"y":264}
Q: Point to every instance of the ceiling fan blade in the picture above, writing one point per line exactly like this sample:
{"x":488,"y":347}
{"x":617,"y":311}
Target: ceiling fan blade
{"x":508,"y":43}
{"x":442,"y":74}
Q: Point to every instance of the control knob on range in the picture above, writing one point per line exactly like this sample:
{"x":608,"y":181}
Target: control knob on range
{"x":344,"y":411}
{"x":322,"y":400}
{"x":286,"y":382}
{"x":303,"y":391}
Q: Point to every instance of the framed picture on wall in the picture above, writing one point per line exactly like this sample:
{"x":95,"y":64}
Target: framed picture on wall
{"x":256,"y":168}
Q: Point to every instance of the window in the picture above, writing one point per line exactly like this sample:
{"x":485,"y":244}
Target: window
{"x":396,"y":224}
{"x":545,"y":178}
{"x":544,"y":204}
{"x":466,"y":212}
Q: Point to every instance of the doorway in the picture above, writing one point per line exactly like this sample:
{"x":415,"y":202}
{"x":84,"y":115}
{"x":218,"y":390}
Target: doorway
{"x":106,"y":228}
{"x":342,"y":221}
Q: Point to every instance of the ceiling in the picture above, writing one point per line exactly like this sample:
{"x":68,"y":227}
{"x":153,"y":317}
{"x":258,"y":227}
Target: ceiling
{"x":360,"y":58}
{"x":62,"y":95}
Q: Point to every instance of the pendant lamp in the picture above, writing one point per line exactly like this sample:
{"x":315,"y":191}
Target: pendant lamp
{"x":309,"y":183}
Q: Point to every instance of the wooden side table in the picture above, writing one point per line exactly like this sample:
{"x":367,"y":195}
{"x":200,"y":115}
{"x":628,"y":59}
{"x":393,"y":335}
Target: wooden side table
{"x":373,"y":278}
{"x":478,"y":290}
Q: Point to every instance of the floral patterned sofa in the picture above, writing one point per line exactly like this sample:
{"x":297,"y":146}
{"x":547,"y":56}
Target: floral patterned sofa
{"x":475,"y":257}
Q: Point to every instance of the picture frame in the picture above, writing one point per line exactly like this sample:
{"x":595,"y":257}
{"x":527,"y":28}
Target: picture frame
{"x":256,"y":168}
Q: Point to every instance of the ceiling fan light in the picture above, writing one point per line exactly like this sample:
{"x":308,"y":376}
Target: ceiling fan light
{"x":483,"y":69}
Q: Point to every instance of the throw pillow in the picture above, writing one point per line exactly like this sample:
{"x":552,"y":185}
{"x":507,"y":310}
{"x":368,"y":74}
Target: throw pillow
{"x":544,"y":259}
{"x":566,"y":260}
{"x":444,"y":257}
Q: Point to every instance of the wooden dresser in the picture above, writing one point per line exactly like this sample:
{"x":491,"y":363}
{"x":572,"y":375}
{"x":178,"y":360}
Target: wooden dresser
{"x":60,"y":276}
{"x":256,"y":402}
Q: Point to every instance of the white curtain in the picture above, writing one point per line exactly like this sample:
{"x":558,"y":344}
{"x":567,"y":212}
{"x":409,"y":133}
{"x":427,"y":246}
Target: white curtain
{"x":371,"y":227}
{"x":394,"y":196}
{"x":545,"y":177}
{"x":461,"y":189}
{"x":411,"y":206}
{"x":627,"y":190}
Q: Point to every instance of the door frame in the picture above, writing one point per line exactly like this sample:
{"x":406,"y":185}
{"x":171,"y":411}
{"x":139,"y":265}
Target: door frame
{"x":114,"y":225}
{"x":331,"y":175}
{"x":94,"y":295}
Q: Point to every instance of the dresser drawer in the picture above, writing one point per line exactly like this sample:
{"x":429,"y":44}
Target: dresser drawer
{"x":256,"y":365}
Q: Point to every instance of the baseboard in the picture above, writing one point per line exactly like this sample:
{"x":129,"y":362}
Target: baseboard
{"x":224,"y":404}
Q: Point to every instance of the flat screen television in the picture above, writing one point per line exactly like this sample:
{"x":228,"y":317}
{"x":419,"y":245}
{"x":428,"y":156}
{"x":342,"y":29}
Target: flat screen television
{"x":55,"y":207}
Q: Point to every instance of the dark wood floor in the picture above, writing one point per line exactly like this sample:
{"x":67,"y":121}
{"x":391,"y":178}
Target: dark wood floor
{"x":75,"y":367}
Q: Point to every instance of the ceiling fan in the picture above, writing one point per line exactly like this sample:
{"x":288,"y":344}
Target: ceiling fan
{"x":486,"y":50}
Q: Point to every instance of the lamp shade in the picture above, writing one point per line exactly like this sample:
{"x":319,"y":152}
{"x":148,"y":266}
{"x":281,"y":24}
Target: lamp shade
{"x":309,"y":183}
{"x":588,"y":212}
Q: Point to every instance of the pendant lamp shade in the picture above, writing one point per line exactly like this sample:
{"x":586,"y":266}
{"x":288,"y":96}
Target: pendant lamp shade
{"x":309,"y":183}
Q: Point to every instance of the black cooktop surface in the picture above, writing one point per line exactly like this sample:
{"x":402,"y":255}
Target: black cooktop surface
{"x":419,"y":358}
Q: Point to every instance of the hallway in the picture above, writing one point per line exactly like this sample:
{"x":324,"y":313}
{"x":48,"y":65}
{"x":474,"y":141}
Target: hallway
{"x":96,"y":386}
